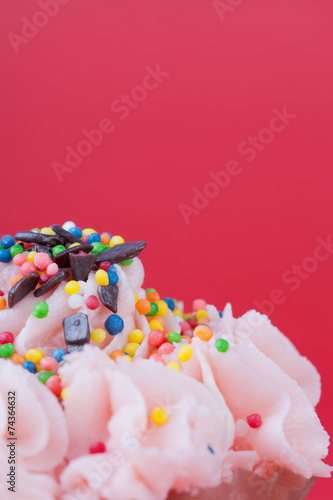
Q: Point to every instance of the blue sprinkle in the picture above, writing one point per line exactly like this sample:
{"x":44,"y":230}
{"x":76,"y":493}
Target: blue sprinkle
{"x":170,"y":302}
{"x":76,"y":231}
{"x":30,"y":366}
{"x":210,"y":449}
{"x":221,"y":314}
{"x":58,"y":354}
{"x":93,"y":238}
{"x":126,"y":354}
{"x":114,"y":324}
{"x":7,"y":241}
{"x":5,"y":256}
{"x":113,"y":277}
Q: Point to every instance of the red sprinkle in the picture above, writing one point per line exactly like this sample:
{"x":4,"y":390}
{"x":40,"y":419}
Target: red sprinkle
{"x":1,"y":293}
{"x":192,"y":322}
{"x":92,"y":302}
{"x":166,"y":348}
{"x":43,"y":279}
{"x":6,"y":338}
{"x":105,"y":266}
{"x":156,"y":338}
{"x":254,"y":420}
{"x":97,"y":448}
{"x":82,"y":253}
{"x":54,"y":384}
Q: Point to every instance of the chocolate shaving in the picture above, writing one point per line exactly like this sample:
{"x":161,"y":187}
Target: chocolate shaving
{"x":24,"y":286}
{"x":42,"y":248}
{"x":108,"y":295}
{"x":77,"y":331}
{"x":81,"y":265}
{"x":50,"y":240}
{"x":62,"y":258}
{"x":51,"y":283}
{"x":121,"y":252}
{"x":71,"y":238}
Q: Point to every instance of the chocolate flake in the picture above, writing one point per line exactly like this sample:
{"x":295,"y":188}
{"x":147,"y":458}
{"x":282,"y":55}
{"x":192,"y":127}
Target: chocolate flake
{"x":24,"y":286}
{"x":108,"y":295}
{"x":77,"y":331}
{"x":62,"y":258}
{"x":51,"y":283}
{"x":50,"y":240}
{"x":81,"y":265}
{"x":71,"y":238}
{"x":121,"y":252}
{"x":42,"y":248}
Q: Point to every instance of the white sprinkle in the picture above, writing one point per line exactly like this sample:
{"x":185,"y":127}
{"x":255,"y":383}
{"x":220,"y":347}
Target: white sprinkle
{"x":68,"y":225}
{"x":75,"y":301}
{"x":83,"y":287}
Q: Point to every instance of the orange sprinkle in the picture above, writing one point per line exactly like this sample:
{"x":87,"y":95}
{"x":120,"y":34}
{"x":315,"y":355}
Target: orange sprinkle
{"x":105,"y":238}
{"x":203,"y":332}
{"x":17,"y":359}
{"x":154,"y":351}
{"x":153,"y":296}
{"x":166,"y":332}
{"x":115,"y":354}
{"x":187,"y":338}
{"x":143,"y":306}
{"x":157,"y":318}
{"x":3,"y":303}
{"x":203,"y":321}
{"x":15,"y":279}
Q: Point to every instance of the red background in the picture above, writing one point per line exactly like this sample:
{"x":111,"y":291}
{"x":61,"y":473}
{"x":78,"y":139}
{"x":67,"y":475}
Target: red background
{"x":225,"y":78}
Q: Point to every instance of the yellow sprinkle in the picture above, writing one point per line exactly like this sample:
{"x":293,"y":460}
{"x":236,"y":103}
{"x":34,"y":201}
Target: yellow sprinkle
{"x":72,"y":287}
{"x":128,"y":358}
{"x":174,"y":365}
{"x":201,"y":313}
{"x":34,"y":355}
{"x":162,"y":307}
{"x":155,"y":325}
{"x":88,"y":231}
{"x":159,"y":416}
{"x":136,"y":336}
{"x":64,"y":392}
{"x":116,"y":240}
{"x":136,"y":297}
{"x":185,"y":353}
{"x":102,"y":277}
{"x":131,"y":348}
{"x":74,"y":244}
{"x":98,"y":335}
{"x":178,"y":312}
{"x":31,"y":256}
{"x":47,"y":230}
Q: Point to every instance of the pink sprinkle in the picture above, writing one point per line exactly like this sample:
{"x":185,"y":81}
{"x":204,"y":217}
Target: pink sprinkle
{"x":97,"y":448}
{"x":157,"y":357}
{"x":192,"y":322}
{"x":85,"y":239}
{"x":92,"y":302}
{"x":42,"y":260}
{"x":166,"y":348}
{"x":184,"y":325}
{"x":82,"y":253}
{"x":43,"y":278}
{"x":156,"y":338}
{"x":54,"y":384}
{"x":105,"y":266}
{"x":52,"y":269}
{"x":48,"y":363}
{"x":254,"y":420}
{"x":19,"y":259}
{"x":199,"y":304}
{"x":6,"y":338}
{"x":28,"y":267}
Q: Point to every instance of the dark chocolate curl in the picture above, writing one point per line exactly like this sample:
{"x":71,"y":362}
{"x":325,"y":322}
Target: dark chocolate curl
{"x":81,"y":265}
{"x":62,"y":258}
{"x":121,"y":252}
{"x":42,"y":248}
{"x":51,"y":283}
{"x":77,"y":331}
{"x":71,"y":238}
{"x":24,"y":286}
{"x":51,"y":240}
{"x":108,"y":295}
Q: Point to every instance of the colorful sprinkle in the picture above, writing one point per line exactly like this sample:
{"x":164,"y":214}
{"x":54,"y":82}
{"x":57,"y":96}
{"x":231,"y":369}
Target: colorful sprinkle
{"x":114,"y":324}
{"x":6,"y":350}
{"x":203,"y":332}
{"x":98,"y":335}
{"x":40,"y":310}
{"x":185,"y":353}
{"x":159,"y":416}
{"x":222,"y":345}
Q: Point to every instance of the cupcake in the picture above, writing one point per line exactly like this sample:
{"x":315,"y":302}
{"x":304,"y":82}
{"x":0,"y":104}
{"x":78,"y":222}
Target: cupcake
{"x":109,"y":391}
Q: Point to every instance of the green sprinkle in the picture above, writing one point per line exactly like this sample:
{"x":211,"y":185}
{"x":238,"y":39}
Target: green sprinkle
{"x":16,"y":249}
{"x":35,"y":230}
{"x":222,"y":345}
{"x":174,"y":337}
{"x":44,"y":376}
{"x":153,"y":310}
{"x":127,"y":262}
{"x":57,"y":249}
{"x":6,"y":350}
{"x":150,"y":290}
{"x":98,"y":247}
{"x":40,"y":310}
